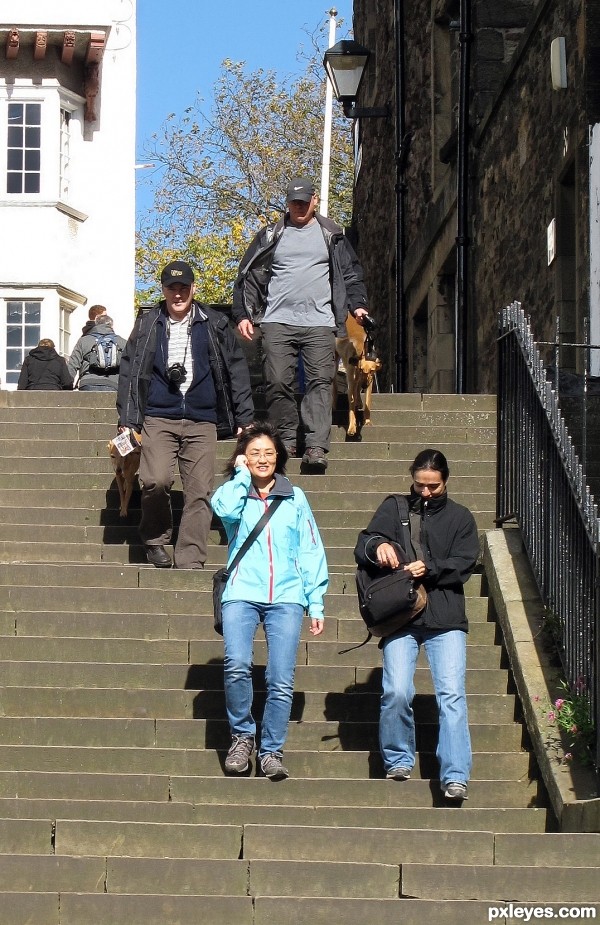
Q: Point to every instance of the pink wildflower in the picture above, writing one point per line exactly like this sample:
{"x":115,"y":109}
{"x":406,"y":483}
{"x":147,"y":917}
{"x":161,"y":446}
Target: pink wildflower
{"x":573,"y":728}
{"x":551,"y":716}
{"x":568,"y":757}
{"x":536,"y":698}
{"x":558,"y":703}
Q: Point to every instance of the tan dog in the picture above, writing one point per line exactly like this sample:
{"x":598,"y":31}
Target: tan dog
{"x":126,"y":468}
{"x":361,"y":364}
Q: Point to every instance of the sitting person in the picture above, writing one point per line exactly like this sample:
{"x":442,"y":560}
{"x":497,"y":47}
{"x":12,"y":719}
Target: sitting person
{"x":43,"y":370}
{"x":96,"y":357}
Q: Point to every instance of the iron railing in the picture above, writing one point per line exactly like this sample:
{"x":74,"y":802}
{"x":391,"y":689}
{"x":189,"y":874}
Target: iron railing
{"x":541,"y":485}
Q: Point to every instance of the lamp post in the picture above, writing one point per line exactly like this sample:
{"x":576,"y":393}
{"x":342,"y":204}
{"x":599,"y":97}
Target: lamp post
{"x":324,"y":198}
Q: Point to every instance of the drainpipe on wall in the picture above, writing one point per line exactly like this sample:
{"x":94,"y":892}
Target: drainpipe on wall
{"x":402,"y":150}
{"x":462,"y":236}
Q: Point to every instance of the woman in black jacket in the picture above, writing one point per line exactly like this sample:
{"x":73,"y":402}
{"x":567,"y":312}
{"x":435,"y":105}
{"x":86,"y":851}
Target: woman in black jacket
{"x":44,"y":370}
{"x":446,"y":548}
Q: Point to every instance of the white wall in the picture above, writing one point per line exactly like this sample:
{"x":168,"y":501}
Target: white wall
{"x":87,"y":243}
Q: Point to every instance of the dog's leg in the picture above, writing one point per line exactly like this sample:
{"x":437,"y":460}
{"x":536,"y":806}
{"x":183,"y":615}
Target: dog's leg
{"x":122,"y":492}
{"x":367,"y":401}
{"x":352,"y":375}
{"x":128,"y":490}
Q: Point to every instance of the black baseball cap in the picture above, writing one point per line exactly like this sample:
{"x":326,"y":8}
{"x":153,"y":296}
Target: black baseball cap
{"x":178,"y":271}
{"x":300,"y":188}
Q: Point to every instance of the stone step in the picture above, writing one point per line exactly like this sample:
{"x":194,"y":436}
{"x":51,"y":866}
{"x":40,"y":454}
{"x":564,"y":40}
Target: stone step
{"x":345,"y":464}
{"x":257,"y":791}
{"x":133,"y":576}
{"x":319,"y":500}
{"x":345,"y":629}
{"x":88,"y":483}
{"x":571,"y":884}
{"x":186,"y":676}
{"x":157,"y":909}
{"x":185,"y":876}
{"x":132,"y":748}
{"x":445,"y":429}
{"x":454,"y":416}
{"x":484,"y":820}
{"x":187,"y":726}
{"x":388,"y":447}
{"x":396,"y":400}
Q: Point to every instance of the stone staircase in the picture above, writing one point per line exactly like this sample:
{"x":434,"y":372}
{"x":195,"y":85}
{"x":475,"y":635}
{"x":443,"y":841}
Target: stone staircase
{"x":114,"y":807}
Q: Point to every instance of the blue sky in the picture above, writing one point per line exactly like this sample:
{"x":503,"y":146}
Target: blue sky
{"x":181,"y":44}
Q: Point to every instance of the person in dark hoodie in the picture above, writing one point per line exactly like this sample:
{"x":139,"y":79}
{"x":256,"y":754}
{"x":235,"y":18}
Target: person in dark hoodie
{"x":43,"y":370}
{"x":446,"y":548}
{"x":96,"y":357}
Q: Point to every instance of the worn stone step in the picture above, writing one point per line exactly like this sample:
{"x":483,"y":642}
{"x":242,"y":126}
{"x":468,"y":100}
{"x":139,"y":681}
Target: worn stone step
{"x":194,"y":730}
{"x":79,"y":837}
{"x":332,"y":480}
{"x":459,"y":431}
{"x":308,"y":705}
{"x":518,"y":883}
{"x":577,"y":849}
{"x":497,"y":793}
{"x":482,"y":819}
{"x":340,"y":460}
{"x":104,"y":755}
{"x":158,"y":677}
{"x":257,"y":791}
{"x":25,"y":836}
{"x":479,"y":503}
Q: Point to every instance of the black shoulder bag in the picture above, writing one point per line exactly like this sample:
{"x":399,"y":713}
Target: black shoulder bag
{"x":221,"y":576}
{"x":388,"y":599}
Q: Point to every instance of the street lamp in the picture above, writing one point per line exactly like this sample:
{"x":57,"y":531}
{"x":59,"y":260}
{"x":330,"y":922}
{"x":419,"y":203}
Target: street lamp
{"x":345,"y":64}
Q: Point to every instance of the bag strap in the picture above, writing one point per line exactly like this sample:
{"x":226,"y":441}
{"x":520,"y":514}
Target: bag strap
{"x":260,"y":524}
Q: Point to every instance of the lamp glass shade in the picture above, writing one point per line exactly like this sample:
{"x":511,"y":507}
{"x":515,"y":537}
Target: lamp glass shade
{"x":345,"y":64}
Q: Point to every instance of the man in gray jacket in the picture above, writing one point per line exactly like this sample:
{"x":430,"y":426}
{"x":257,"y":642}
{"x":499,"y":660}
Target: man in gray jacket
{"x":96,"y":357}
{"x":299,"y":279}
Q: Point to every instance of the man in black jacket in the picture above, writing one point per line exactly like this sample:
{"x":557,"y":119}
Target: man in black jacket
{"x":183,"y":379}
{"x":446,"y":548}
{"x":299,"y":279}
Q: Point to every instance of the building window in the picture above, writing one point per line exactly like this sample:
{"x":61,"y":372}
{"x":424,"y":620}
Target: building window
{"x":23,"y":323}
{"x":65,"y":152}
{"x":23,"y":173}
{"x":64,"y":328}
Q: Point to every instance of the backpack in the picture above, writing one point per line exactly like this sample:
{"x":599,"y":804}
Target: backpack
{"x":388,"y":599}
{"x":105,"y":355}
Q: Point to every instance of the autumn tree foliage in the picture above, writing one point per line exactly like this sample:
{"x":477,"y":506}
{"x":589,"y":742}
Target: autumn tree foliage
{"x":224,"y":170}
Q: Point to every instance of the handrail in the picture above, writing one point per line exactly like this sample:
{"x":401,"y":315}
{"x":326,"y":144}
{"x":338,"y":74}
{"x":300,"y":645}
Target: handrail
{"x":541,"y":483}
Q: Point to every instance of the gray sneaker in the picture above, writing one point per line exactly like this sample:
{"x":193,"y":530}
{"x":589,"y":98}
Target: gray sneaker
{"x":399,"y":773}
{"x":272,"y":767}
{"x":238,"y":754}
{"x":455,"y":790}
{"x":315,"y":457}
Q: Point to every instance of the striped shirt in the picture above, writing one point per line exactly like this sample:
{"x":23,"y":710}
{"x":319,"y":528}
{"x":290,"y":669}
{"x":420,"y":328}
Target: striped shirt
{"x":180,"y":348}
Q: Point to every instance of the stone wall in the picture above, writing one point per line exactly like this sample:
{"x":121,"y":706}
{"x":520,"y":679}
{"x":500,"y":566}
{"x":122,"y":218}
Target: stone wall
{"x":528,"y":165}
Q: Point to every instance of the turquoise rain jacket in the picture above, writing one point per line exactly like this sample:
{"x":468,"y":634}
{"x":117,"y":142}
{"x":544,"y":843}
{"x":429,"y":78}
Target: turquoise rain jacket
{"x":286,"y":563}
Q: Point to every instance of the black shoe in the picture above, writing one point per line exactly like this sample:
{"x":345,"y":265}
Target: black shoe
{"x":315,"y":458}
{"x":158,"y":556}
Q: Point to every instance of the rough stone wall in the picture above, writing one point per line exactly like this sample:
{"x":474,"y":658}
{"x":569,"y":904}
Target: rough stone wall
{"x":519,"y":165}
{"x":523,"y":148}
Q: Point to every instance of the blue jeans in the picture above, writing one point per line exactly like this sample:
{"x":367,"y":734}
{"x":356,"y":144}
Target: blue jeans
{"x":446,"y":654}
{"x":282,"y":624}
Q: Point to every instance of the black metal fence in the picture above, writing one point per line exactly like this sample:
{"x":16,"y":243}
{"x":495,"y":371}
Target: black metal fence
{"x":541,"y":484}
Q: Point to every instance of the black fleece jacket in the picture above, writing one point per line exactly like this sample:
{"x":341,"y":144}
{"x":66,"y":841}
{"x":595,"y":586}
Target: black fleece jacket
{"x":450,"y":546}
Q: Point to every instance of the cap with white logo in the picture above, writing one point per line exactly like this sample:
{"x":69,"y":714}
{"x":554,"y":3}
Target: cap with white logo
{"x":301,"y":189}
{"x":178,"y":271}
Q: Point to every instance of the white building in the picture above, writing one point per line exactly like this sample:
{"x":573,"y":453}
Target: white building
{"x":67,"y":178}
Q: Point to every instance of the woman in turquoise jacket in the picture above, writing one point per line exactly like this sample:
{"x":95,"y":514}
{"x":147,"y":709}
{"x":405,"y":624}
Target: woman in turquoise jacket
{"x":282,"y":575}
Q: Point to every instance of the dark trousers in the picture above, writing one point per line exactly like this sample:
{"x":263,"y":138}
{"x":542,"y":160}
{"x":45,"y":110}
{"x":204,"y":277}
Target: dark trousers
{"x":282,"y":344}
{"x":193,"y":447}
